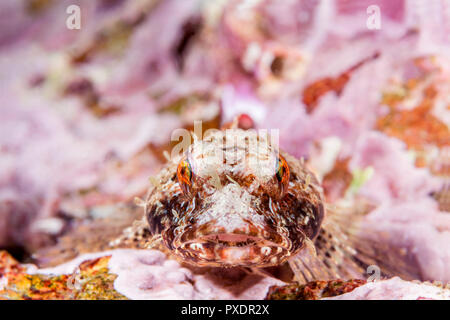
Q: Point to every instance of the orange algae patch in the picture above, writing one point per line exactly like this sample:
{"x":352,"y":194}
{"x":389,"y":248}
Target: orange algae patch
{"x":418,"y":127}
{"x":92,"y":281}
{"x":316,"y":90}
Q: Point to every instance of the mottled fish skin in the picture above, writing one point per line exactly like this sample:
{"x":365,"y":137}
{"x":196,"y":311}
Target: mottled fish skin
{"x":232,"y":203}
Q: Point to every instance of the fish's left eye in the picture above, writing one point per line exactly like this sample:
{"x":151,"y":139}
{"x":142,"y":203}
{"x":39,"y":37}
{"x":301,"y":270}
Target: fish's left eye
{"x":282,"y":174}
{"x":184,"y":175}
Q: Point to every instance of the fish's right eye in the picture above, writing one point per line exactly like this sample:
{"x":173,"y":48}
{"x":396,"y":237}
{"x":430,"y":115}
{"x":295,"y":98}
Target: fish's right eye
{"x":184,"y":175}
{"x":282,"y":174}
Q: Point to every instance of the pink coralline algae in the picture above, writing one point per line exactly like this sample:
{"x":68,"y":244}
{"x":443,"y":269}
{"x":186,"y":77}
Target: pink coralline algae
{"x":395,"y":178}
{"x":421,"y":229}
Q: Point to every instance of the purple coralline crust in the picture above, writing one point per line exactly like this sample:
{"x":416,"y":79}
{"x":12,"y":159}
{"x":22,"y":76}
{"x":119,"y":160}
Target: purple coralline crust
{"x":427,"y":241}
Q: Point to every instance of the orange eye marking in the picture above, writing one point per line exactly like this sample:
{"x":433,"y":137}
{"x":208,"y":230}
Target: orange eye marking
{"x":184,"y":175}
{"x":282,"y":174}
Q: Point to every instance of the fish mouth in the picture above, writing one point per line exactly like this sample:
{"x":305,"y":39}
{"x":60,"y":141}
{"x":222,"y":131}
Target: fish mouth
{"x":229,"y":249}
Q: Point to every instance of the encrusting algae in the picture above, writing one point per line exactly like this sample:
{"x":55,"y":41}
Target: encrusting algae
{"x":91,"y":281}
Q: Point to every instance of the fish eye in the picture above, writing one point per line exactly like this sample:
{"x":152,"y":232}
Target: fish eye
{"x":184,"y":175}
{"x":282,"y":174}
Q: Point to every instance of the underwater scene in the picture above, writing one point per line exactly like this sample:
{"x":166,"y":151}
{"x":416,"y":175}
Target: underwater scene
{"x":225,"y":150}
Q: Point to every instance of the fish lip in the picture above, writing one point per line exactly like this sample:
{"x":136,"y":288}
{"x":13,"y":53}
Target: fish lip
{"x":233,"y":248}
